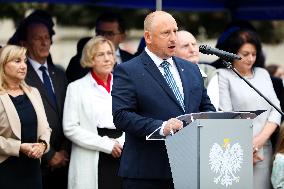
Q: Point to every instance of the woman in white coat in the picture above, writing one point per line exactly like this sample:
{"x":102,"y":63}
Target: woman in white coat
{"x":88,"y":122}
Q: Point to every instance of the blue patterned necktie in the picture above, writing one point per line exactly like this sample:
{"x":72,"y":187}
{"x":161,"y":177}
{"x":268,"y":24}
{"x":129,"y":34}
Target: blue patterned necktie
{"x":47,"y":85}
{"x":171,"y":82}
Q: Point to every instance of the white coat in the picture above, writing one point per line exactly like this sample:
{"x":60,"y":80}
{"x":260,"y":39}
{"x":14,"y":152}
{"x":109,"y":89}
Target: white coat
{"x":87,"y":106}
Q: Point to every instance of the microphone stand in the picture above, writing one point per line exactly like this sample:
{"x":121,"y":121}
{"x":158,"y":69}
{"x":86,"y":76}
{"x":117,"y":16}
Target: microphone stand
{"x":229,"y":65}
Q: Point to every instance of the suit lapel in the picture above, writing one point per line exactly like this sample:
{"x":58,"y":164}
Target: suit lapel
{"x":56,"y":85}
{"x":185,"y":83}
{"x":156,"y":74}
{"x":124,"y":55}
{"x":12,"y":114}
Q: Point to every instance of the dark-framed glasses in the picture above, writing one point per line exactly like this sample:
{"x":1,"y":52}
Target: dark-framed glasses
{"x":106,"y":33}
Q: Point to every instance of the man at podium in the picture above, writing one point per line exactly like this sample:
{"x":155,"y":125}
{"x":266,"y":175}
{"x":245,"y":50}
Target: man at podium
{"x":148,"y":92}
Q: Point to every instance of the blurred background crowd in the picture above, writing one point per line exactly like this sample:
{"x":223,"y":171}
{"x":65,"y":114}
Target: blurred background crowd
{"x":205,"y":26}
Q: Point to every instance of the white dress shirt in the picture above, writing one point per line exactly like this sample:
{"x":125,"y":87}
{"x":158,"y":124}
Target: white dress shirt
{"x":118,"y":57}
{"x":172,"y":67}
{"x":173,"y":70}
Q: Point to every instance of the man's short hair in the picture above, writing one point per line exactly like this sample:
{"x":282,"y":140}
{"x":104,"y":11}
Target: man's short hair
{"x":112,"y":17}
{"x":36,"y":17}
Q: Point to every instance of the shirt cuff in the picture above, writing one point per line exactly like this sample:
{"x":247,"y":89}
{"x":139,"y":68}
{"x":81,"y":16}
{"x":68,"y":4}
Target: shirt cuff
{"x":162,"y":128}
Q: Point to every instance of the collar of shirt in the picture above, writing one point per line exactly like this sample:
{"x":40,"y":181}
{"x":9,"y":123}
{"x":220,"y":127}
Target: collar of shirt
{"x":36,"y":65}
{"x":118,"y":57}
{"x":101,"y":82}
{"x":157,"y":60}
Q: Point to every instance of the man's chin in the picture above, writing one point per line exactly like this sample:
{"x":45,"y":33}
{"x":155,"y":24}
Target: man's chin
{"x":170,"y":54}
{"x":44,"y":55}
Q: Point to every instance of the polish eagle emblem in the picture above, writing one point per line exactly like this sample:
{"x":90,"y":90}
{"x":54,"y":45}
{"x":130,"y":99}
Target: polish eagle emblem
{"x":226,"y":162}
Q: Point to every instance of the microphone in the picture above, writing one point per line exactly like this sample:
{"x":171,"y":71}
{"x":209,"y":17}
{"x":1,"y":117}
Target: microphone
{"x":204,"y":49}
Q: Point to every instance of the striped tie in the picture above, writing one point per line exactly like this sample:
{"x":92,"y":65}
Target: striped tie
{"x":171,"y":82}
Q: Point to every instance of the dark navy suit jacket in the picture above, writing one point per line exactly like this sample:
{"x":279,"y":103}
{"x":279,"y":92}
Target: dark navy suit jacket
{"x":142,"y":100}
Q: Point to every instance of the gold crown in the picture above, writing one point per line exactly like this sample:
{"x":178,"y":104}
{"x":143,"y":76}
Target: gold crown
{"x":226,"y":142}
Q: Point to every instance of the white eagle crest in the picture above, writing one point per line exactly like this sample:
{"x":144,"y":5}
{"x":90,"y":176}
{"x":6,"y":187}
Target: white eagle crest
{"x":226,"y":162}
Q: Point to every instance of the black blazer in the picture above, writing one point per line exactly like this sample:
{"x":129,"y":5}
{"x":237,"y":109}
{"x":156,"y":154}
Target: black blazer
{"x":125,"y":56}
{"x":74,"y":69}
{"x":54,"y":114}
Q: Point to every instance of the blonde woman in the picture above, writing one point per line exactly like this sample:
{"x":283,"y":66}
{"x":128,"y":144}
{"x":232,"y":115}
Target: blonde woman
{"x":88,"y":122}
{"x":24,"y":131}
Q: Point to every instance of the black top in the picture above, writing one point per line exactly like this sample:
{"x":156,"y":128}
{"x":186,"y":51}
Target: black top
{"x":22,"y":171}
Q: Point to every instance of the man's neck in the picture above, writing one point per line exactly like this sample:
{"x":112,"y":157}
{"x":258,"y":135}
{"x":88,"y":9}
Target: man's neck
{"x":40,"y":61}
{"x":37,"y":59}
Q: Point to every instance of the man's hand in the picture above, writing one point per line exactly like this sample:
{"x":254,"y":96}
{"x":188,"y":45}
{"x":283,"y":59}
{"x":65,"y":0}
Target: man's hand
{"x":59,"y":159}
{"x":116,"y":150}
{"x":173,"y":125}
{"x":256,"y":156}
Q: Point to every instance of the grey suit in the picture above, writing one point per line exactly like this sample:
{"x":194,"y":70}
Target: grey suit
{"x":54,"y":114}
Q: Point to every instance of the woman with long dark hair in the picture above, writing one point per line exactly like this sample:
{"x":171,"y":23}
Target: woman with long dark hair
{"x":236,"y":95}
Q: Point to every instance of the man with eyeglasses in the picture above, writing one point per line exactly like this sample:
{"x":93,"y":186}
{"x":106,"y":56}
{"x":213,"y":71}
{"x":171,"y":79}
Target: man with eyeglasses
{"x":112,"y":27}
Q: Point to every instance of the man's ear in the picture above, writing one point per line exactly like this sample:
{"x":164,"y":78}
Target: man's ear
{"x":122,"y":37}
{"x":147,"y":37}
